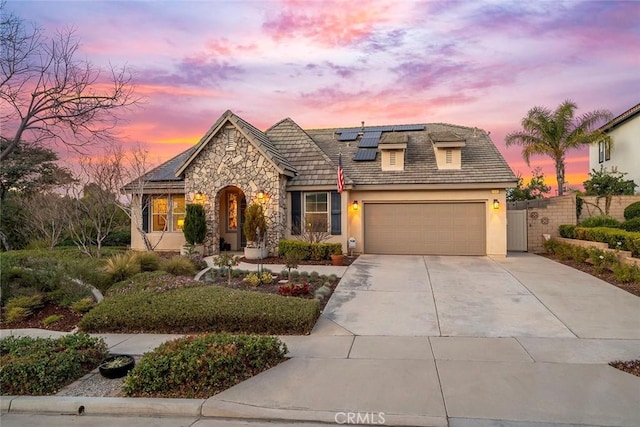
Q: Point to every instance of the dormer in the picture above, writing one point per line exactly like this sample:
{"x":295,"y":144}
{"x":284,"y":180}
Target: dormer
{"x":393,"y":146}
{"x":448,"y":149}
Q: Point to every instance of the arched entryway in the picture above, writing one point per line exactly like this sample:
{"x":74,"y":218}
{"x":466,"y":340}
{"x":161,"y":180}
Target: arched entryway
{"x":231,"y":214}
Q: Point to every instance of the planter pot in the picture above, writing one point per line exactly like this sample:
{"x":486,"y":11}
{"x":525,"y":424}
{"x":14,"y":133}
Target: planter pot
{"x":337,"y":259}
{"x":109,"y":370}
{"x":255,"y":253}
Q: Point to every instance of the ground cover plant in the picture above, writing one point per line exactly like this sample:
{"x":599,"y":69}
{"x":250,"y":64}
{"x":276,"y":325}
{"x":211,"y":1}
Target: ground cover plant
{"x":602,"y":264}
{"x":42,"y":366}
{"x":201,"y":366}
{"x":58,"y":279}
{"x":156,"y":302}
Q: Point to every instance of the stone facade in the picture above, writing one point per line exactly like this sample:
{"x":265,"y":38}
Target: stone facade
{"x":231,"y":160}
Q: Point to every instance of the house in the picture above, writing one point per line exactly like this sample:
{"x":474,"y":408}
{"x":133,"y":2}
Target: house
{"x":408,"y":189}
{"x":624,"y":130}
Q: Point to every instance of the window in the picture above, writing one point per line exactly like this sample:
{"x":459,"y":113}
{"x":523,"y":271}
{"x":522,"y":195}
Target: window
{"x":316,"y":212}
{"x":600,"y":152}
{"x":449,"y":155}
{"x":167,"y":213}
{"x":607,"y":150}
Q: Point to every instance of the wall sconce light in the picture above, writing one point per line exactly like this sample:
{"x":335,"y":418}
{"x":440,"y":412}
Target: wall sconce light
{"x":496,"y":204}
{"x":260,"y":195}
{"x":355,"y":205}
{"x":199,"y":196}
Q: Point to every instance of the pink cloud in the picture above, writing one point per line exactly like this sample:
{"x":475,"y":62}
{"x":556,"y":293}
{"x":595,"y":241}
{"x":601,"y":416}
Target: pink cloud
{"x":332,"y":23}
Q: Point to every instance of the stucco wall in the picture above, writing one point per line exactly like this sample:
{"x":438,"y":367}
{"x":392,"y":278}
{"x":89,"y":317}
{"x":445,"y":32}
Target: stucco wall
{"x":496,"y":220}
{"x":242,"y":165}
{"x":625,"y":152}
{"x":594,"y":207}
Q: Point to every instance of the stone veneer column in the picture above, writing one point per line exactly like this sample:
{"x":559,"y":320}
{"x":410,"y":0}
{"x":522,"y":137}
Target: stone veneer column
{"x":220,"y":165}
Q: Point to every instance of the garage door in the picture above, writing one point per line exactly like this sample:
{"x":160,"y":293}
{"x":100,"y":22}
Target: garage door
{"x":425,"y":228}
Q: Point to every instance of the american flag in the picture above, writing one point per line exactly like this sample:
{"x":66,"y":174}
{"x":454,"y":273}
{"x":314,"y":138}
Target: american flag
{"x":340,"y":175}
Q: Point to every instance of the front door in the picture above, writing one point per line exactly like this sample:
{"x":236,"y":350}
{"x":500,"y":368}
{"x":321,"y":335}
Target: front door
{"x":243,"y":206}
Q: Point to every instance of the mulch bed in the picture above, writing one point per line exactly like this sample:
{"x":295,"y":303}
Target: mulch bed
{"x":607,"y":276}
{"x":68,"y":322}
{"x":632,"y":366}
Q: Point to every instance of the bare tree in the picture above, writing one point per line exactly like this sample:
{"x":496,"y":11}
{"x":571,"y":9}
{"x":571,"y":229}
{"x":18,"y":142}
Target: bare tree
{"x":51,"y":95}
{"x":48,"y":214}
{"x":134,"y":180}
{"x":95,"y":209}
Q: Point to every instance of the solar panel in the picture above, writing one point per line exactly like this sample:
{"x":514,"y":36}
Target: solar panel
{"x":400,"y":128}
{"x":372,"y":134}
{"x":348,"y":130}
{"x":368,"y":143}
{"x":378,"y":128}
{"x":365,"y":155}
{"x":348,"y":136}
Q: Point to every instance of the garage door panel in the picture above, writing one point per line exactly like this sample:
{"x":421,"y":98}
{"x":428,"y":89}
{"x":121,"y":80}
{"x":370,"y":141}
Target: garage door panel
{"x":425,"y":228}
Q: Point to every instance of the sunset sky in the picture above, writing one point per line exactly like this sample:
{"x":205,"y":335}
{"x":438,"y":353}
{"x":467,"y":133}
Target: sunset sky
{"x":335,"y":64}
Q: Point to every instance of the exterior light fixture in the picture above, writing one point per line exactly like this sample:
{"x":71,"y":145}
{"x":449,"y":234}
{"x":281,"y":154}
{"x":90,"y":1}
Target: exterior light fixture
{"x":496,"y":204}
{"x":260,"y":195}
{"x":355,"y":205}
{"x":199,"y":196}
{"x":181,"y":223}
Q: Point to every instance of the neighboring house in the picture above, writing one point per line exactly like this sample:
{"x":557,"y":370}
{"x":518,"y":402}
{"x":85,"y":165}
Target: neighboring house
{"x":625,"y":155}
{"x":408,"y":189}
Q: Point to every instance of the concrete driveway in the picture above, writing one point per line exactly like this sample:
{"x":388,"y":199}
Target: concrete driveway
{"x":522,"y":295}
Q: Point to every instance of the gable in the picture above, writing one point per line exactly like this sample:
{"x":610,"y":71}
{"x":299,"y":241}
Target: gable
{"x":255,"y":137}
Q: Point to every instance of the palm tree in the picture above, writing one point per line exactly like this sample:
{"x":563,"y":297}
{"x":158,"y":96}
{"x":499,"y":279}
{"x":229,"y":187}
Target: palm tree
{"x":553,"y":133}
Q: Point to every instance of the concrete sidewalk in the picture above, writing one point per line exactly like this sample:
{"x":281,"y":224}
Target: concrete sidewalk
{"x":519,"y":380}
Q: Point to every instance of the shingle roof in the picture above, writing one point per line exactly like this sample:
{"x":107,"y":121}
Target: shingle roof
{"x":481,"y":161}
{"x":631,"y":112}
{"x":313,"y":165}
{"x":310,"y":157}
{"x":163,"y":175}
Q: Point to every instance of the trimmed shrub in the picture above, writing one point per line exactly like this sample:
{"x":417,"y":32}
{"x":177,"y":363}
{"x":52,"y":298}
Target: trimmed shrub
{"x":122,"y":266}
{"x":632,"y":211}
{"x":306,"y":251}
{"x":195,"y":224}
{"x":41,"y":366}
{"x":614,"y":237}
{"x":600,"y":221}
{"x":201,"y":308}
{"x":632,"y":224}
{"x":179,"y":266}
{"x":149,"y":261}
{"x":199,"y":367}
{"x":567,"y":231}
{"x":253,"y":279}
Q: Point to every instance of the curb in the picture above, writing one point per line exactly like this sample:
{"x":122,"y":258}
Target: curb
{"x":72,"y":405}
{"x":199,"y":408}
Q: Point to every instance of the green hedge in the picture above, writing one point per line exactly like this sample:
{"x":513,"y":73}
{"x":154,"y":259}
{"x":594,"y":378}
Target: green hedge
{"x":632,"y":211}
{"x":600,"y":221}
{"x":306,"y":251}
{"x":632,"y":224}
{"x":201,"y":309}
{"x":199,"y":367}
{"x":614,"y":237}
{"x":567,"y":231}
{"x":41,"y":366}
